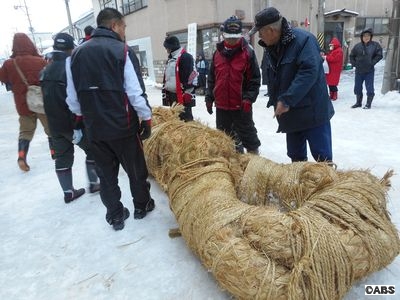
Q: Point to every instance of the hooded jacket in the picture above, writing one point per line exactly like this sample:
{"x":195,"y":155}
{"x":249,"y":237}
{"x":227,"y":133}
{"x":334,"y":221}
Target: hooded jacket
{"x":365,"y":56}
{"x":30,"y":62}
{"x":335,"y":62}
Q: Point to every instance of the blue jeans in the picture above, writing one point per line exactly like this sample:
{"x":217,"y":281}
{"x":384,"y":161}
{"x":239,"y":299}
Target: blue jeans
{"x":369,"y":83}
{"x":319,"y":139}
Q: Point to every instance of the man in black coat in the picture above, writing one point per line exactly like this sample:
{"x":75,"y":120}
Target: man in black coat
{"x":66,"y":129}
{"x":106,"y":89}
{"x":364,"y":56}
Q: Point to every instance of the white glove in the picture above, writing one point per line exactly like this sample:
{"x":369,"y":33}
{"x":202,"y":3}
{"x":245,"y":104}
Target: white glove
{"x":77,"y":136}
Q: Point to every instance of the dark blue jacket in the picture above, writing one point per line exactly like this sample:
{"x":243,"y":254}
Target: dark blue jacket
{"x":296,"y":77}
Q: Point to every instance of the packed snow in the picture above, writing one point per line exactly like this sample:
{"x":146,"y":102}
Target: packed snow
{"x":53,"y":250}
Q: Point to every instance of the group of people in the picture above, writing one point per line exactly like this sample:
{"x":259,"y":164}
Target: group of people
{"x":95,"y":97}
{"x":296,"y":86}
{"x":293,"y":71}
{"x":363,"y":57}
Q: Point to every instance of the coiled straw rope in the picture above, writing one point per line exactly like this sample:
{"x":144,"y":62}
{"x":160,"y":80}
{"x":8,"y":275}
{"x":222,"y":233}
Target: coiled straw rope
{"x":268,"y":230}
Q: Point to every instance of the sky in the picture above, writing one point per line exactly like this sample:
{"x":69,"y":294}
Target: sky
{"x":45,"y":15}
{"x":51,"y":250}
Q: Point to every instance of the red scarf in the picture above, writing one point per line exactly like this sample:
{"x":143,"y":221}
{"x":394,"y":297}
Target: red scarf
{"x":179,"y":88}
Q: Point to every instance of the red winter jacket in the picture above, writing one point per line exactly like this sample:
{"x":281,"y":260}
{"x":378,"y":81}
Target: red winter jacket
{"x":30,"y":63}
{"x":335,"y":62}
{"x":234,"y":76}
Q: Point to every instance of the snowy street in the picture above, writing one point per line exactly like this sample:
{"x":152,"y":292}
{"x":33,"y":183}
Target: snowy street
{"x":50,"y":250}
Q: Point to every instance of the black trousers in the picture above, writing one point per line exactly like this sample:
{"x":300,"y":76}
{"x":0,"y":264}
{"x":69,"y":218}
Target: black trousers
{"x":187,"y":114}
{"x":239,"y":124}
{"x":109,"y":155}
{"x":64,"y":149}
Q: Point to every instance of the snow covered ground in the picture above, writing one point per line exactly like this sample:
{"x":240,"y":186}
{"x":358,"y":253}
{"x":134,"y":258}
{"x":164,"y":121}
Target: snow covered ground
{"x":50,"y":250}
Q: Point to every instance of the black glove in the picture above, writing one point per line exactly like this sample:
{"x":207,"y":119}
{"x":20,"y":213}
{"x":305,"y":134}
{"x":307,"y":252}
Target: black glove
{"x":145,"y":129}
{"x":78,"y":122}
{"x":209,"y":105}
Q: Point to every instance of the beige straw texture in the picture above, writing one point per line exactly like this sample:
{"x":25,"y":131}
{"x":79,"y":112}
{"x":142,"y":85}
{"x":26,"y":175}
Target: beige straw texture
{"x":268,"y":230}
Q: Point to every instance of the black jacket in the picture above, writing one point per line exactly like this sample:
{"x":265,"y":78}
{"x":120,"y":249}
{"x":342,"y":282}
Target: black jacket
{"x":53,"y":82}
{"x":98,"y":72}
{"x":365,"y":56}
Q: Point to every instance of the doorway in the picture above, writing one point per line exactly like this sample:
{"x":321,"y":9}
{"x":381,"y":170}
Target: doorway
{"x":333,"y":29}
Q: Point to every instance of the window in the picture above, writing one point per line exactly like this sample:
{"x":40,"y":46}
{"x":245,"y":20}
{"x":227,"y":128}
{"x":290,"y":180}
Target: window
{"x":379,"y":25}
{"x":108,"y":3}
{"x":129,"y":6}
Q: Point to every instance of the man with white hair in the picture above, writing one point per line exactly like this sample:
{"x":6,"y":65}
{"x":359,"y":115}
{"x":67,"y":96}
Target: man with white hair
{"x":296,"y":86}
{"x":233,"y":84}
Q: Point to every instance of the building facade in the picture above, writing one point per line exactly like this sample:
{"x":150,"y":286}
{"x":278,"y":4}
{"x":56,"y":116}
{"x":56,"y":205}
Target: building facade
{"x":150,"y":21}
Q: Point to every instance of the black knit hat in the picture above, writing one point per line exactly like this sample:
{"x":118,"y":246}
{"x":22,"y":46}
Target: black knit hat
{"x":172,"y":43}
{"x":232,"y":28}
{"x":265,"y":17}
{"x":63,"y":41}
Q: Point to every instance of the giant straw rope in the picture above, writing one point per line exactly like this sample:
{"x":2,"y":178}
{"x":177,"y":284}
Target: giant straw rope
{"x":268,"y":230}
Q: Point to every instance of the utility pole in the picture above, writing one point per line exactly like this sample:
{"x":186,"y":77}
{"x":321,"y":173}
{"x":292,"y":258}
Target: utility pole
{"x":321,"y":23}
{"x":391,"y":73}
{"x":71,"y":28}
{"x":25,"y":8}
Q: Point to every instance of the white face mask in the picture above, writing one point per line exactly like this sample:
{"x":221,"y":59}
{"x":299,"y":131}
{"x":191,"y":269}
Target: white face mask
{"x":331,"y":47}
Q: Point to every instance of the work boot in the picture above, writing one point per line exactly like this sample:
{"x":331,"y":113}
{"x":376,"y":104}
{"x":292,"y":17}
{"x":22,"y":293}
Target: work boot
{"x":118,"y":223}
{"x":94,"y":188}
{"x":65,"y":178}
{"x":369,"y":102}
{"x":358,"y":102}
{"x":23,"y":165}
{"x":141,"y":213}
{"x":23,"y":147}
{"x":70,"y":196}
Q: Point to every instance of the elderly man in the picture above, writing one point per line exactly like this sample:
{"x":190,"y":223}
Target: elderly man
{"x":296,"y":86}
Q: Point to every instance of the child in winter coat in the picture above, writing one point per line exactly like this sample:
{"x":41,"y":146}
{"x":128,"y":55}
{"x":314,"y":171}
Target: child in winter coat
{"x":334,"y":59}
